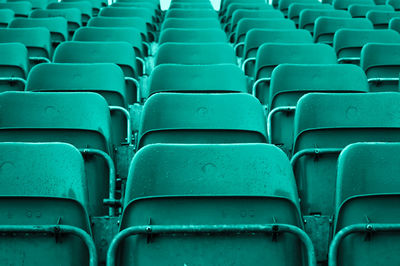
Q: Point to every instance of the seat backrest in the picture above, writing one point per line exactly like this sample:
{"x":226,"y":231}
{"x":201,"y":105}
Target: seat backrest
{"x":197,"y":78}
{"x":195,"y":54}
{"x":192,"y":36}
{"x":381,"y":19}
{"x":360,"y":10}
{"x":228,"y":18}
{"x":13,"y":64}
{"x":240,"y":14}
{"x":349,"y":42}
{"x":84,"y":6}
{"x":39,"y":190}
{"x":139,"y":12}
{"x":381,"y":63}
{"x":345,"y":4}
{"x":20,"y":8}
{"x":36,"y":4}
{"x":259,"y":176}
{"x":295,"y":9}
{"x":309,"y":16}
{"x":72,"y":15}
{"x":325,"y":27}
{"x":191,"y":13}
{"x":188,"y":23}
{"x":284,"y":4}
{"x":6,"y":16}
{"x":201,"y":118}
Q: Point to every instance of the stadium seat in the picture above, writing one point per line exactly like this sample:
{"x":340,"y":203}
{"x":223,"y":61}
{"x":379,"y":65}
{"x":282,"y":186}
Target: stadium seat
{"x":309,"y":16}
{"x":191,"y":5}
{"x":348,"y":43}
{"x":195,"y":54}
{"x":395,"y":4}
{"x":102,"y":78}
{"x":44,"y":188}
{"x":6,"y":16}
{"x":367,"y":197}
{"x":239,"y":7}
{"x":325,"y":27}
{"x":291,"y":81}
{"x":100,"y":52}
{"x":201,"y":118}
{"x":345,"y":4}
{"x":394,"y":24}
{"x":130,"y":12}
{"x":72,"y":15}
{"x":21,"y":9}
{"x":36,"y":4}
{"x":191,"y":13}
{"x":187,"y":23}
{"x":296,"y":8}
{"x":248,"y":13}
{"x":226,"y":3}
{"x":14,"y":66}
{"x":360,"y":11}
{"x":197,"y":78}
{"x":192,"y":36}
{"x":96,"y":5}
{"x":381,"y":62}
{"x":270,"y":55}
{"x":57,"y":26}
{"x":283,"y":5}
{"x":84,"y":6}
{"x":381,"y":19}
{"x":81,"y":119}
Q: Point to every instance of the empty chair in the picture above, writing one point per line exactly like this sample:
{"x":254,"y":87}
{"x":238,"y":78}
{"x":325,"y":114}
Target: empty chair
{"x":190,"y":5}
{"x":102,"y":78}
{"x":257,"y":37}
{"x":120,"y":53}
{"x":21,"y":9}
{"x":381,"y":63}
{"x":325,"y":27}
{"x":121,"y":34}
{"x":246,"y":13}
{"x":44,"y":188}
{"x":226,"y":3}
{"x":81,"y":119}
{"x":96,"y":5}
{"x":57,"y":26}
{"x":195,"y":54}
{"x":227,"y":18}
{"x":72,"y":15}
{"x":201,"y":118}
{"x":360,"y":11}
{"x":192,"y":36}
{"x":394,"y":24}
{"x":14,"y":66}
{"x":284,"y":4}
{"x":381,"y":19}
{"x":394,"y":3}
{"x":325,"y":123}
{"x":84,"y":6}
{"x":295,"y":9}
{"x":187,"y":23}
{"x":270,"y":55}
{"x":36,"y":40}
{"x":367,"y":195}
{"x":36,"y":4}
{"x":6,"y":16}
{"x":291,"y":81}
{"x":191,"y":13}
{"x":197,"y":78}
{"x":309,"y":16}
{"x":345,"y":4}
{"x":348,"y":43}
{"x":250,"y":184}
{"x":130,"y":12}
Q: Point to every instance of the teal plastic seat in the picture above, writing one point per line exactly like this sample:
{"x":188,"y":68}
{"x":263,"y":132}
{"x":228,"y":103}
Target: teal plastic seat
{"x":191,"y":5}
{"x":381,"y":19}
{"x":325,"y":123}
{"x":201,"y":118}
{"x":96,"y":5}
{"x":36,"y":40}
{"x":381,"y":63}
{"x":43,"y":186}
{"x":21,"y":9}
{"x":394,"y":24}
{"x":326,"y":27}
{"x":191,"y":13}
{"x":232,"y":8}
{"x":120,"y":34}
{"x":197,"y":79}
{"x":240,"y":14}
{"x":36,"y":4}
{"x":367,"y":194}
{"x":57,"y":26}
{"x":283,"y":5}
{"x":72,"y":15}
{"x":14,"y":66}
{"x":270,"y":55}
{"x":192,"y":36}
{"x":289,"y":82}
{"x":102,"y":78}
{"x":348,"y":43}
{"x":309,"y":16}
{"x":187,"y":23}
{"x":120,"y":53}
{"x":295,"y":9}
{"x":360,"y":11}
{"x":195,"y":54}
{"x":81,"y":119}
{"x":224,"y":5}
{"x":6,"y":16}
{"x":174,"y":200}
{"x":84,"y":6}
{"x":394,"y":3}
{"x":130,"y":12}
{"x":257,"y":37}
{"x":345,"y":4}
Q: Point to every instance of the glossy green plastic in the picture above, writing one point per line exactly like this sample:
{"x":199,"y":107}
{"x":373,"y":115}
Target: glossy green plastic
{"x":394,"y":3}
{"x":192,"y":36}
{"x":84,"y":6}
{"x":295,"y":9}
{"x":201,"y":118}
{"x":13,"y":65}
{"x":72,"y":15}
{"x":345,"y":4}
{"x":129,"y":12}
{"x":81,"y":119}
{"x":360,"y":11}
{"x":381,"y":19}
{"x":289,"y":82}
{"x":270,"y":55}
{"x":234,"y":7}
{"x":43,"y":184}
{"x":325,"y":27}
{"x":188,"y":23}
{"x":227,"y":184}
{"x":308,"y":17}
{"x":367,"y":192}
{"x":6,"y":16}
{"x":381,"y":63}
{"x":344,"y":119}
{"x":191,"y":13}
{"x":240,"y":14}
{"x":195,"y":54}
{"x":21,"y":9}
{"x":348,"y":43}
{"x":283,"y":5}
